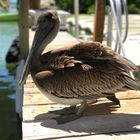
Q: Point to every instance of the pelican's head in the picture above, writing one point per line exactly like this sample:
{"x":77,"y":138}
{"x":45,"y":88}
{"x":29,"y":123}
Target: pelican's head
{"x":47,"y":29}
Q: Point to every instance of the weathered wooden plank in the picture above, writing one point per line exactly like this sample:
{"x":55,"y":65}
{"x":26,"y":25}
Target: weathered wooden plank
{"x":63,"y":39}
{"x":100,"y":108}
{"x":35,"y":98}
{"x":98,"y":124}
{"x":117,"y":136}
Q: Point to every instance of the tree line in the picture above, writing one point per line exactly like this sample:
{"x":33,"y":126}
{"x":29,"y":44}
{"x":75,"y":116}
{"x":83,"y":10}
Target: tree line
{"x":88,"y":6}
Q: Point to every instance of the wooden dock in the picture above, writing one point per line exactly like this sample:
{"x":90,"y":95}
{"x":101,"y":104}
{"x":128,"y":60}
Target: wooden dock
{"x":102,"y":120}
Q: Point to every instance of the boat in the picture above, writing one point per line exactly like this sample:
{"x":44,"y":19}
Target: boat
{"x":8,"y":17}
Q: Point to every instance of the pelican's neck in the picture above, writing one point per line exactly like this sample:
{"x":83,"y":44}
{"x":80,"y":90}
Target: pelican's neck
{"x":35,"y":63}
{"x":40,"y":42}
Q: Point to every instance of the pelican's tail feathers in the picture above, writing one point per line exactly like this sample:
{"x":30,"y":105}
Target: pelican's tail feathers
{"x":132,"y":84}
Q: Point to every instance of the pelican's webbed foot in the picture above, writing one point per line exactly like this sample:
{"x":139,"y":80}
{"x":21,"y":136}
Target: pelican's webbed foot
{"x":114,"y":99}
{"x":64,"y":118}
{"x":65,"y":111}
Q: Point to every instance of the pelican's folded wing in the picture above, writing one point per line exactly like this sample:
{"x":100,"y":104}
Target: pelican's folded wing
{"x":91,"y":52}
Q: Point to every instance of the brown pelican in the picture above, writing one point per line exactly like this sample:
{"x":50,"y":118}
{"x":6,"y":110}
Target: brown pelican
{"x":13,"y":53}
{"x":79,"y":74}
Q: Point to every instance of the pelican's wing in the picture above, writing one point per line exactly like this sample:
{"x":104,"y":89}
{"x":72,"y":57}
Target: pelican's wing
{"x":88,"y":70}
{"x":57,"y":61}
{"x":94,"y":51}
{"x":89,"y":53}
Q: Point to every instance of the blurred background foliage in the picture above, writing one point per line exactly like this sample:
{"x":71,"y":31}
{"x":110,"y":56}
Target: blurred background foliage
{"x":88,"y":6}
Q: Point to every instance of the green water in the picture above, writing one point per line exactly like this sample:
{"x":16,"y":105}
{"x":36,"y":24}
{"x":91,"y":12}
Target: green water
{"x":9,"y":126}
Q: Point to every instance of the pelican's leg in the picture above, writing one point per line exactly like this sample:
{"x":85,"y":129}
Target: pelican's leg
{"x":65,"y":111}
{"x":81,"y":108}
{"x":92,"y":102}
{"x":114,"y":99}
{"x":67,"y":118}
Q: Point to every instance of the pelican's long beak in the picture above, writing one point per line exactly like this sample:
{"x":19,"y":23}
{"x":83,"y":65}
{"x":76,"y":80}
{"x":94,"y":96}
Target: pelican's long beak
{"x":24,"y":73}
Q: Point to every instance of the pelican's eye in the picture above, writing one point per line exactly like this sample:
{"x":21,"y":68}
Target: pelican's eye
{"x":44,"y":20}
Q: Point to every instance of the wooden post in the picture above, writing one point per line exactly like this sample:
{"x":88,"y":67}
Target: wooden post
{"x":24,"y":28}
{"x":24,"y":48}
{"x":34,"y":4}
{"x":99,"y":20}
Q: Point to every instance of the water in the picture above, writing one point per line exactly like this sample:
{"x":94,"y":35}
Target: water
{"x":9,"y":127}
{"x":12,"y":8}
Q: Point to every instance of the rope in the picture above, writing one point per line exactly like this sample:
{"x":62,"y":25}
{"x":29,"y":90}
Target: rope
{"x":119,"y":39}
{"x":117,"y":12}
{"x":124,"y":3}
